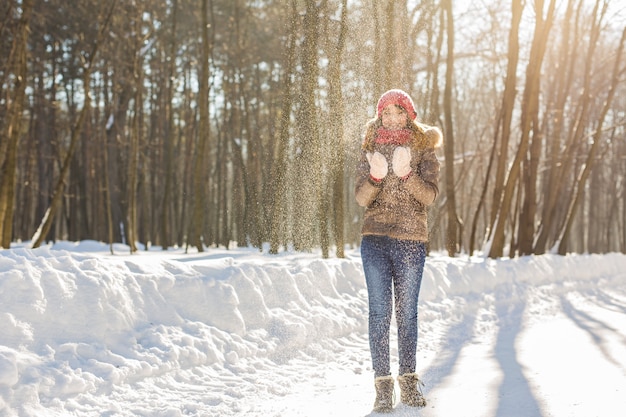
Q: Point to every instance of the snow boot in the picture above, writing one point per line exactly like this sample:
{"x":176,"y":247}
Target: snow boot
{"x":410,"y":391}
{"x":384,"y":394}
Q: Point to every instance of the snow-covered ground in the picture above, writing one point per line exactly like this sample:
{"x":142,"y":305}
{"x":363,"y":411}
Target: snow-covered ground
{"x":243,"y":333}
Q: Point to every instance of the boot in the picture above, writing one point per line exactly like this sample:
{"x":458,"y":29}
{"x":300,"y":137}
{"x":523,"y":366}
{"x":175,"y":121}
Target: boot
{"x":384,"y":394}
{"x":410,"y":391}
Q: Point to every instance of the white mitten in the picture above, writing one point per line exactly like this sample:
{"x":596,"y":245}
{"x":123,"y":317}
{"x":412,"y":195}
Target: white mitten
{"x":378,"y":165}
{"x":401,"y":162}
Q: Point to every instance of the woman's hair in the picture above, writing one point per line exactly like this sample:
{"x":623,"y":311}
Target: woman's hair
{"x":420,"y":139}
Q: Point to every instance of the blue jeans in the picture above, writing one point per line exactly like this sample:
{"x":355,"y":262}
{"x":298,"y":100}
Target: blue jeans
{"x":393,"y":273}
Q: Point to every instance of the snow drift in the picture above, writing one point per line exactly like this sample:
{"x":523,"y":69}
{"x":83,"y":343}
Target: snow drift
{"x":82,"y":329}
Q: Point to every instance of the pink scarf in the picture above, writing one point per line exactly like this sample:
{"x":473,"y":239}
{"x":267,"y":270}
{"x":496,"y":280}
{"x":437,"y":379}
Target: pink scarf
{"x":394,"y":137}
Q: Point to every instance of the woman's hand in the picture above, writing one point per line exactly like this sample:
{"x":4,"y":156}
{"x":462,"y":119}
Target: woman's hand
{"x":401,"y":162}
{"x":378,"y":166}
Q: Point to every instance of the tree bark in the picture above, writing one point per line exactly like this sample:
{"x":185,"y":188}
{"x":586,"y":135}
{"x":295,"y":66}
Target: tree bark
{"x":336,"y":105}
{"x":169,"y":134}
{"x":200,"y":167}
{"x":377,"y":69}
{"x":452,"y":242}
{"x":561,"y":189}
{"x":279,"y":167}
{"x":555,"y":159}
{"x":308,"y":160}
{"x":57,"y":198}
{"x":590,"y":161}
{"x":529,"y":103}
{"x":8,"y":152}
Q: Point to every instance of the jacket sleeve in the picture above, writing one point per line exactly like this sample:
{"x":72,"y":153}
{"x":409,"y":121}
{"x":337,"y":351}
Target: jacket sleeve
{"x":365,"y":189}
{"x":423,"y":184}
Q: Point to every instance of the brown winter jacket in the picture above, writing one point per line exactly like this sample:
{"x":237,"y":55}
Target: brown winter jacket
{"x":395,"y":207}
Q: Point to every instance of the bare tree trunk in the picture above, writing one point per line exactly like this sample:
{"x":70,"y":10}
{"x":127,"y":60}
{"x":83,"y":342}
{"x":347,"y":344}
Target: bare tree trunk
{"x":377,"y":67}
{"x":131,"y":216}
{"x":621,"y":196}
{"x":529,"y":102}
{"x":623,"y":208}
{"x":561,"y":190}
{"x":508,"y":105}
{"x":279,"y":167}
{"x":433,"y":72}
{"x":574,"y":149}
{"x":597,"y":136}
{"x":528,"y":210}
{"x":389,"y":63}
{"x":107,"y":194}
{"x":554,"y":157}
{"x":8,"y":144}
{"x":135,"y":136}
{"x":166,"y":205}
{"x":307,"y":195}
{"x":255,"y":209}
{"x":57,"y":197}
{"x":452,"y":242}
{"x":230,"y":146}
{"x":200,"y":167}
{"x":337,"y":132}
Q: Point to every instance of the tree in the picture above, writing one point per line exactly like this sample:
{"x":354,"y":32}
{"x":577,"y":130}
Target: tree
{"x":10,"y":135}
{"x":200,"y":166}
{"x":288,"y":88}
{"x":503,"y":124}
{"x":169,"y":134}
{"x":453,"y":219}
{"x":55,"y":204}
{"x":279,"y":166}
{"x":308,"y":187}
{"x":336,"y":108}
{"x":591,"y":156}
{"x":528,"y":114}
{"x":555,"y":161}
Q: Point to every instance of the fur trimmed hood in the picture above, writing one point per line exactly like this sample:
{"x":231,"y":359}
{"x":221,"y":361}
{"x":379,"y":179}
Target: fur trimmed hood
{"x":433,"y":136}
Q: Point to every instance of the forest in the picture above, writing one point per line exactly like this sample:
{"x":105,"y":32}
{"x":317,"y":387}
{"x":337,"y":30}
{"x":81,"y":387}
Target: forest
{"x":223,"y":123}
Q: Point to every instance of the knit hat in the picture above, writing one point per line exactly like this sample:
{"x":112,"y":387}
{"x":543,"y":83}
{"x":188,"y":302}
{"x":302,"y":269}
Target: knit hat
{"x":399,"y":98}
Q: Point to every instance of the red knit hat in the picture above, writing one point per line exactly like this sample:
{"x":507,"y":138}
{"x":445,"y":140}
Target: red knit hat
{"x":399,"y":98}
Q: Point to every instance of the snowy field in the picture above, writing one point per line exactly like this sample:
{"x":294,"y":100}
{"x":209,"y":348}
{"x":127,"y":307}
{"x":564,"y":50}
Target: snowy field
{"x":242,"y":333}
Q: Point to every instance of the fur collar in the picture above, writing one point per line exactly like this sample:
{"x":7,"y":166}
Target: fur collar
{"x":433,"y":136}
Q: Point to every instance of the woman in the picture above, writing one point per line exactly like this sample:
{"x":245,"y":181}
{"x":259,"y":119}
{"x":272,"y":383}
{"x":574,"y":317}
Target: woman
{"x":397,"y":179}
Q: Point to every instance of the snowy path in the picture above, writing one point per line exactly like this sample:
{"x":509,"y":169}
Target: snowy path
{"x":550,"y":352}
{"x":238,"y":333}
{"x":547,"y":351}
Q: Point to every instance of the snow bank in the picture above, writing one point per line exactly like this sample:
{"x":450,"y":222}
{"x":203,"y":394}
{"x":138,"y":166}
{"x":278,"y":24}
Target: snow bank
{"x":77,"y":321}
{"x":51,"y":297}
{"x":444,"y":277}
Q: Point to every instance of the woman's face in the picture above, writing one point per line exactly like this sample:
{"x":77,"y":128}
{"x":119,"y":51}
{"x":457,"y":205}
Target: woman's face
{"x":394,"y":117}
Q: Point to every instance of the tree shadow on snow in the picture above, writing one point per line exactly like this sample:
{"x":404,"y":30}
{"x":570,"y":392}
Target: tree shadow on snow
{"x":456,"y":338}
{"x":597,"y":329}
{"x":515,"y":397}
{"x":608,"y":301}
